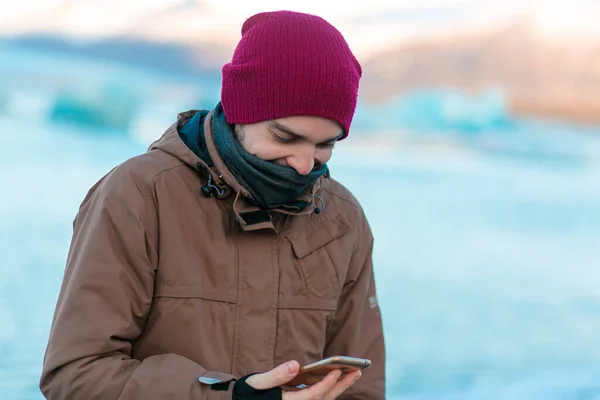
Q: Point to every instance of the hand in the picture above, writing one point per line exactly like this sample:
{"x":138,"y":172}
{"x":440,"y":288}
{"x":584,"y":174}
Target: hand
{"x":331,"y":387}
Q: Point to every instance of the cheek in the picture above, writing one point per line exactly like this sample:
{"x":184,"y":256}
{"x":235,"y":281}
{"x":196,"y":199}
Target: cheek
{"x":263,"y":149}
{"x":322,"y":156}
{"x":269,"y":152}
{"x":251,"y":143}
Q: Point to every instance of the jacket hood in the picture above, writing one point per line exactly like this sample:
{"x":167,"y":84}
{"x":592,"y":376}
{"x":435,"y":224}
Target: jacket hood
{"x":219,"y":176}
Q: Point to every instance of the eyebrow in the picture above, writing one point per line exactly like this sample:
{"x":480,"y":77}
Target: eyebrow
{"x":279,"y":126}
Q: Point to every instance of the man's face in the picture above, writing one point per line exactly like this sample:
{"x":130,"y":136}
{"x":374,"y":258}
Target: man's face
{"x":301,"y":142}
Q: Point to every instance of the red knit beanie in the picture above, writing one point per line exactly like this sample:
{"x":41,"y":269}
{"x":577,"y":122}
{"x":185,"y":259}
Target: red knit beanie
{"x":289,"y":63}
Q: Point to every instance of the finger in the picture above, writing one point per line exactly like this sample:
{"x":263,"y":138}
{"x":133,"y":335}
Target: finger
{"x":276,"y":377}
{"x":317,"y":391}
{"x":343,"y":385}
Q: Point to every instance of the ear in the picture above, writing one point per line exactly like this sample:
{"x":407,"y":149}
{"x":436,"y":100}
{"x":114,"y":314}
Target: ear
{"x":239,"y":131}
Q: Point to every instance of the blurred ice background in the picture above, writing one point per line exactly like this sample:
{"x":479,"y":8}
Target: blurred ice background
{"x":478,"y":136}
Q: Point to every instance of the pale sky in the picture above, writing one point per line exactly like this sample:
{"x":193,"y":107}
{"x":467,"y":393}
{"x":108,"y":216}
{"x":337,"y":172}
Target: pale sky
{"x":367,"y":25}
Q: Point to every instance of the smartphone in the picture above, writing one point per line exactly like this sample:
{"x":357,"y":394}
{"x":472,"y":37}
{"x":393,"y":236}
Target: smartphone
{"x":315,"y":372}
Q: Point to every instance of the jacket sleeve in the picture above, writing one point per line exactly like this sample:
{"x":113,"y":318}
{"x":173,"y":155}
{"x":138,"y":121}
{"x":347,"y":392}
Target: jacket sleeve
{"x":103,"y":303}
{"x":356,"y":329}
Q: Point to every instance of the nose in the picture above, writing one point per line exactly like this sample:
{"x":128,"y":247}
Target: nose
{"x":302,"y":163}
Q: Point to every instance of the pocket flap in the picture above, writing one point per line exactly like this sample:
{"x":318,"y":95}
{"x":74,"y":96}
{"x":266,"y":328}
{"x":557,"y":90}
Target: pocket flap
{"x":194,"y":292}
{"x":317,"y":233}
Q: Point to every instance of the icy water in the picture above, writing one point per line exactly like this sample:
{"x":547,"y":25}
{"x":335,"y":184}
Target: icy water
{"x":487,"y":253}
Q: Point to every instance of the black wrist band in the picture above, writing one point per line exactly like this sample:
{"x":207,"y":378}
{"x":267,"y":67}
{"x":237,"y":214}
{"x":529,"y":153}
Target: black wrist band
{"x":243,"y":391}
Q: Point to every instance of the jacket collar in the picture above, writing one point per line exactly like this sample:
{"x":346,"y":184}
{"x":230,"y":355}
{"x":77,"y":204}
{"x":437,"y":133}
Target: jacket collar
{"x":249,"y":216}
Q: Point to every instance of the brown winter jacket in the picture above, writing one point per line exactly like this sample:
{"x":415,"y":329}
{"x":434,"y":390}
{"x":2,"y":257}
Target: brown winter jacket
{"x":164,"y":285}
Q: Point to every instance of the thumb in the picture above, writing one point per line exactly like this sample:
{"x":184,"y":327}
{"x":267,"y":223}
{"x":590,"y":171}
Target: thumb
{"x":275,"y":377}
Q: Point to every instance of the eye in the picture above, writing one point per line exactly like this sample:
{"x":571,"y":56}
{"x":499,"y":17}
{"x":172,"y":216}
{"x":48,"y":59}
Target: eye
{"x":328,"y":145}
{"x":281,"y":139}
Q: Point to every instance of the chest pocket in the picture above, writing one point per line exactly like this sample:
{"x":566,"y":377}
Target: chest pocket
{"x":314,"y":273}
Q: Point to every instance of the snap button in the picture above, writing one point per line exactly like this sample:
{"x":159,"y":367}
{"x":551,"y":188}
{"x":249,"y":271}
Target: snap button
{"x":209,"y":381}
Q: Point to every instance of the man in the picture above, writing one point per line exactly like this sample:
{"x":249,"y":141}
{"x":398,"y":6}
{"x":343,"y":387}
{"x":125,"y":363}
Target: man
{"x":217,"y":263}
